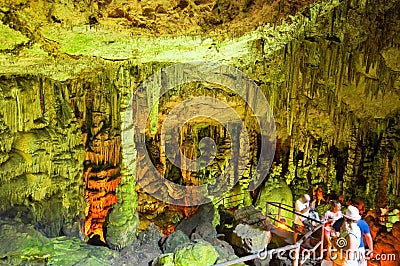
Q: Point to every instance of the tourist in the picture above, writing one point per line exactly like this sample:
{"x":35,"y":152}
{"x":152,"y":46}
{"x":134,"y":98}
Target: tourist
{"x":320,"y":196}
{"x":330,"y":217}
{"x":334,"y":213}
{"x":341,"y":198}
{"x":303,"y":207}
{"x":348,"y":242}
{"x":365,"y":235}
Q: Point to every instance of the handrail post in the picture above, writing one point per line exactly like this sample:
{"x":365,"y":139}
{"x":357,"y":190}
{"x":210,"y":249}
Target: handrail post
{"x":296,"y":256}
{"x":279,"y":211}
{"x":322,"y":242}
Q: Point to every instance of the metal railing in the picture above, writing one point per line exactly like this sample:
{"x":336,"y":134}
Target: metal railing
{"x":282,"y":206}
{"x":288,"y":208}
{"x":226,"y":200}
{"x":264,"y":253}
{"x":384,"y":220}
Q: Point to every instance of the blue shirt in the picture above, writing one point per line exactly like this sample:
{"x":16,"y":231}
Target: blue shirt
{"x":364,"y":230}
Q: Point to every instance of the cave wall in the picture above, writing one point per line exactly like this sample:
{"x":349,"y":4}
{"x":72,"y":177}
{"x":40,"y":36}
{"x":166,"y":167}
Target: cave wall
{"x":61,"y":163}
{"x":42,"y":154}
{"x":330,"y":73}
{"x":335,"y":95}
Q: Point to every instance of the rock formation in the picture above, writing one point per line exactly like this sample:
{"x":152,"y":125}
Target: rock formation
{"x":329,"y":70}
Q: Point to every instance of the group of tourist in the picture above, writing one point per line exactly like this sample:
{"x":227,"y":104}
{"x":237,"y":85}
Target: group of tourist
{"x":347,"y":235}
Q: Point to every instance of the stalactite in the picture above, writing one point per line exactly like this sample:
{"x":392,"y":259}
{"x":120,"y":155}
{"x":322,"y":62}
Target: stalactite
{"x":43,"y":150}
{"x":100,"y":189}
{"x":105,"y":151}
{"x":95,"y":102}
{"x":381,"y":197}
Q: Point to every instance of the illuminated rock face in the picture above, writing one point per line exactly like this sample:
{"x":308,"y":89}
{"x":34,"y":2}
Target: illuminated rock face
{"x":330,"y":74}
{"x":42,"y":153}
{"x":61,"y":145}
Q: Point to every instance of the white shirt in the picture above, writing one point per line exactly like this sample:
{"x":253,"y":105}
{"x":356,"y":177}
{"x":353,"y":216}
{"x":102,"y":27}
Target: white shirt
{"x":351,"y":252}
{"x":329,"y":215}
{"x":299,"y":206}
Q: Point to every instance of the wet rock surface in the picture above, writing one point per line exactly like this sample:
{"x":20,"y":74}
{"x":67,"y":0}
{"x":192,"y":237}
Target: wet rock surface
{"x":21,"y":243}
{"x":205,"y":231}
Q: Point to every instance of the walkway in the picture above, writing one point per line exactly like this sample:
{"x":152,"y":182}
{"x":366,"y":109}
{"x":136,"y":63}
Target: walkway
{"x":296,"y":252}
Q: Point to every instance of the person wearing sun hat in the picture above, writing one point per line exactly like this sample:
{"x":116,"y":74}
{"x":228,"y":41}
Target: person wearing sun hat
{"x":349,"y":239}
{"x":352,"y":213}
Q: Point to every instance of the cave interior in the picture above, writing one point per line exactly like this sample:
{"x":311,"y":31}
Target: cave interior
{"x":76,"y":186}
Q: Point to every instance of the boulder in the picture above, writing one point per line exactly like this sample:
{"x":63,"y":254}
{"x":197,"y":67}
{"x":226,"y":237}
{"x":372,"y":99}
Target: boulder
{"x":250,"y":238}
{"x":142,"y":251}
{"x":150,"y":236}
{"x":174,"y":240}
{"x":21,"y":240}
{"x":199,"y":254}
{"x":21,"y":244}
{"x":204,"y":214}
{"x":249,"y":215}
{"x":225,"y":251}
{"x":205,"y":231}
{"x":194,"y":254}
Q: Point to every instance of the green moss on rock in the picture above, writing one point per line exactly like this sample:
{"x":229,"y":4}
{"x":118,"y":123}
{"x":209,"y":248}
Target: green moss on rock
{"x":200,"y":254}
{"x":166,"y":260}
{"x":21,"y":243}
{"x":10,"y":38}
{"x":275,"y":191}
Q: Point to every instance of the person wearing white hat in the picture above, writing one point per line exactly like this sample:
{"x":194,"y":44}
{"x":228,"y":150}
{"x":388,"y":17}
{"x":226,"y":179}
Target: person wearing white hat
{"x":349,"y":241}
